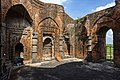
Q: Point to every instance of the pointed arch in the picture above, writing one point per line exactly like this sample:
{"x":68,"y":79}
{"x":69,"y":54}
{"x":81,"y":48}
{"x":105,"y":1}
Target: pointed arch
{"x":99,"y":50}
{"x":20,"y":10}
{"x":107,"y":15}
{"x":48,"y":18}
{"x":47,"y":37}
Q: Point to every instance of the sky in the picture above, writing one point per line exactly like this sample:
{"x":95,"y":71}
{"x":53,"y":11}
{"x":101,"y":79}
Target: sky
{"x":79,"y":8}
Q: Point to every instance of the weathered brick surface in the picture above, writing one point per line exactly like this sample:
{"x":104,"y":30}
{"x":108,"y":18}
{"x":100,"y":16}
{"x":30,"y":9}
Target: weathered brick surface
{"x":28,"y":21}
{"x":25,"y":18}
{"x":98,"y":24}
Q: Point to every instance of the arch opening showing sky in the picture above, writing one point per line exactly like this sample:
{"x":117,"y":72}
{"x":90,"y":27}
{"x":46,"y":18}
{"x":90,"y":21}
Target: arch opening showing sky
{"x":109,"y":37}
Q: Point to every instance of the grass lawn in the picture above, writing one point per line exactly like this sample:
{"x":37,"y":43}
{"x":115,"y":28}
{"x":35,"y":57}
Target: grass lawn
{"x":109,"y":52}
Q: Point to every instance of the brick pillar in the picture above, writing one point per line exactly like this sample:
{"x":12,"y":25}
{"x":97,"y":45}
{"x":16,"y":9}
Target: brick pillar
{"x":57,"y":48}
{"x":53,"y":48}
{"x":34,"y":46}
{"x":77,"y":45}
{"x":117,"y":48}
{"x":61,"y":46}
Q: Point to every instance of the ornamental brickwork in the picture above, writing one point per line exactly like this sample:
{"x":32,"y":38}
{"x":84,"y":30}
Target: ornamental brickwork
{"x":34,"y":31}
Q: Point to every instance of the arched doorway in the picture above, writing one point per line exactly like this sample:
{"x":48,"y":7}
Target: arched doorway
{"x":19,"y":50}
{"x":109,"y":45}
{"x":102,"y":41}
{"x":67,"y":42}
{"x":47,"y":49}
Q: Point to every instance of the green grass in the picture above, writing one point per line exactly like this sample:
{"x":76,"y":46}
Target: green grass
{"x":109,"y":51}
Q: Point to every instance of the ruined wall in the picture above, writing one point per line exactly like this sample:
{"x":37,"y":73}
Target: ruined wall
{"x":69,"y":36}
{"x":34,"y":20}
{"x":92,"y":18}
{"x":98,"y":24}
{"x":81,"y":40}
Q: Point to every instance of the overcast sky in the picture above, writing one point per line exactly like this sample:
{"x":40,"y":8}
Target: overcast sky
{"x":79,"y":8}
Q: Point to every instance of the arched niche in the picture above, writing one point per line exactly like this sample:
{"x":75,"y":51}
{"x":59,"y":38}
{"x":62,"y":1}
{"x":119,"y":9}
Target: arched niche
{"x":47,"y":49}
{"x":49,"y":28}
{"x":16,"y":20}
{"x":19,"y":50}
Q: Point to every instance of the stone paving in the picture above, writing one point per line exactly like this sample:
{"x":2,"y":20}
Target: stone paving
{"x":68,"y":69}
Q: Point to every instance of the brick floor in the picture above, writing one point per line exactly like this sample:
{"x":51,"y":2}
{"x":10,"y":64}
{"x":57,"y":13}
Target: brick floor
{"x":69,"y":69}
